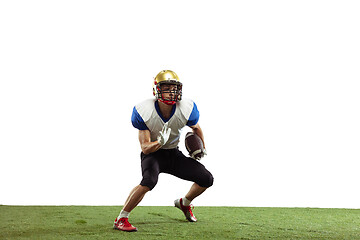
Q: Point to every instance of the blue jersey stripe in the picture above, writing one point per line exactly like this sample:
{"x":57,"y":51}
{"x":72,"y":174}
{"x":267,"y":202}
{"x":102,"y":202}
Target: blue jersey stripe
{"x":137,"y":120}
{"x":194,"y":116}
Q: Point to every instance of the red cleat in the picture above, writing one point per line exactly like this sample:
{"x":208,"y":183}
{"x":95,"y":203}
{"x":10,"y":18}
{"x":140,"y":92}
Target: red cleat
{"x":124,"y":225}
{"x":187,"y":210}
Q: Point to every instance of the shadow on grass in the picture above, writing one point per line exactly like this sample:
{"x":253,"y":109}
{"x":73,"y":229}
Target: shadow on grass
{"x":162,"y":218}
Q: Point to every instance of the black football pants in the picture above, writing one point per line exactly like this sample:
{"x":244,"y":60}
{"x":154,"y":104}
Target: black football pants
{"x":174,"y":162}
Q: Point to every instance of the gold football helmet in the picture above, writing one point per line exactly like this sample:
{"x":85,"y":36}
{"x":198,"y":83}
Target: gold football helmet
{"x":167,"y":77}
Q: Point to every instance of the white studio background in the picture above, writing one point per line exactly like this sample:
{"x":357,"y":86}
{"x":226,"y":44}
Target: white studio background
{"x":276,"y":83}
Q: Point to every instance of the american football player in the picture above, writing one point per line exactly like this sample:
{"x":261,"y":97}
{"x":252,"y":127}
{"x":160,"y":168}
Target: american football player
{"x":159,"y":122}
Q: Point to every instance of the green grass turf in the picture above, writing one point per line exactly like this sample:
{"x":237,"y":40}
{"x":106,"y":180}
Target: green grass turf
{"x":95,"y":222}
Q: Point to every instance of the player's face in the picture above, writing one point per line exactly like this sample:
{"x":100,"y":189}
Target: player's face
{"x":169,"y":92}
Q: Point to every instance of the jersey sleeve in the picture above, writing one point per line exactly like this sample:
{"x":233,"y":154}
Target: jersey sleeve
{"x":194,"y":116}
{"x":137,"y":120}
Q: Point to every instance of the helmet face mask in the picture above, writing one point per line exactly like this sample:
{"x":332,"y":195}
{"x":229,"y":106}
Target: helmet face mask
{"x":167,"y":87}
{"x":169,"y":93}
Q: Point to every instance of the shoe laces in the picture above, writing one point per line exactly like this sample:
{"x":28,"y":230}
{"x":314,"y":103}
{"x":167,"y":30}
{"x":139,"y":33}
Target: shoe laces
{"x":125,"y":221}
{"x":190,"y":208}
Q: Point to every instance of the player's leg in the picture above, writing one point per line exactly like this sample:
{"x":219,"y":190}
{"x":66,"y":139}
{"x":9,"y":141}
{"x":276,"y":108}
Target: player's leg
{"x":194,"y":192}
{"x":150,"y":171}
{"x":131,"y":193}
{"x":135,"y":197}
{"x":189,"y":169}
{"x":184,"y":203}
{"x":192,"y":170}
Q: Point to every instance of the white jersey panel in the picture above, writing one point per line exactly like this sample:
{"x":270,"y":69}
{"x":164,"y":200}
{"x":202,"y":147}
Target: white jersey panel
{"x":155,"y":123}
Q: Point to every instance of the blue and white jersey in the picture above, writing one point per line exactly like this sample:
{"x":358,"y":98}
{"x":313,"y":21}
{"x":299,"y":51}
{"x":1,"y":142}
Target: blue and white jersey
{"x":147,"y":116}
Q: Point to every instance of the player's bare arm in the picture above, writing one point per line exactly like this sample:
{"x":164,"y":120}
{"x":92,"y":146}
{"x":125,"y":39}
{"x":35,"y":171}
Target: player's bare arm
{"x":197,"y":130}
{"x":145,"y":142}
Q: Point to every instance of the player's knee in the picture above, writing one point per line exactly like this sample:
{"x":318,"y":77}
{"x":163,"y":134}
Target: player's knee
{"x":149,"y":182}
{"x":207,"y":180}
{"x":210,"y":180}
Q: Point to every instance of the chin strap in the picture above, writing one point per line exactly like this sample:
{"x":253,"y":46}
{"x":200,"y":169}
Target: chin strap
{"x":167,"y":102}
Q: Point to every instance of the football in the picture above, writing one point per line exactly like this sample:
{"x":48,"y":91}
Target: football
{"x":194,"y":145}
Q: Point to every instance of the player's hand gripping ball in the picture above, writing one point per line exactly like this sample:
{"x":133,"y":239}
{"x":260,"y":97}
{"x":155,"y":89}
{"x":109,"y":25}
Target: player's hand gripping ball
{"x":194,"y":146}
